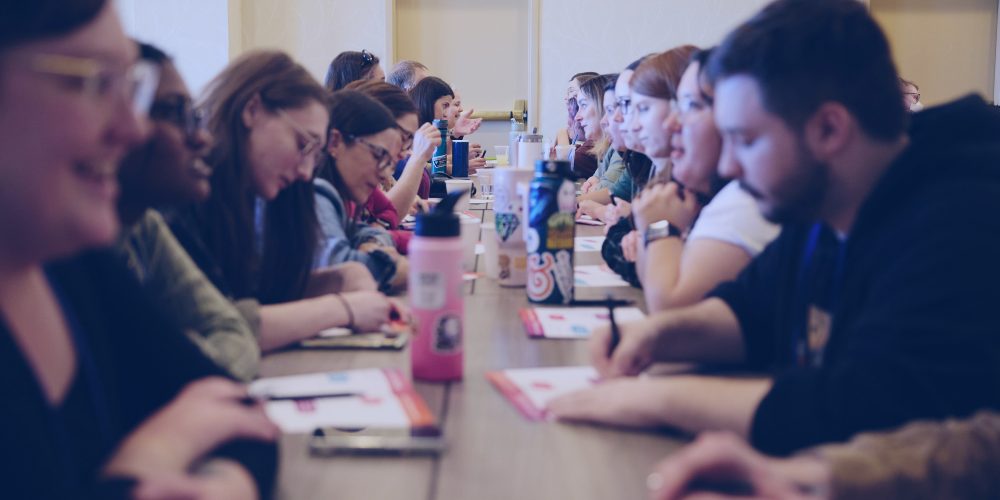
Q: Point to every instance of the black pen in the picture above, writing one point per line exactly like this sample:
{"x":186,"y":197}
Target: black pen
{"x":613,"y":202}
{"x":600,"y":302}
{"x":293,"y":397}
{"x":616,"y":336}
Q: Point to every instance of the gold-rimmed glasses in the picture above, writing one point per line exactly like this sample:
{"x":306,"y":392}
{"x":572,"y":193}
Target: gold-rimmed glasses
{"x":101,"y":80}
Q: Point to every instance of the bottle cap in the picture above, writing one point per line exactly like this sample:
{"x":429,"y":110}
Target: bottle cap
{"x":442,"y":221}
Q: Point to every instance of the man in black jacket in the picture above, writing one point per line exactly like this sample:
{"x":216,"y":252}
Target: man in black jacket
{"x":873,"y":307}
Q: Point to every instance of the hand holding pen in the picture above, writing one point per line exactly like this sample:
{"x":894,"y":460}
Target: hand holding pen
{"x":616,"y":335}
{"x":618,"y":350}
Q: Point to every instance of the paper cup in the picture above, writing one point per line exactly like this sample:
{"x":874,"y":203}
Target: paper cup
{"x":489,"y":240}
{"x":470,"y":236}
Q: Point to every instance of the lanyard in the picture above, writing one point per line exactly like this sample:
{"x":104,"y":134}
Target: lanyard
{"x":808,"y":271}
{"x":88,"y":370}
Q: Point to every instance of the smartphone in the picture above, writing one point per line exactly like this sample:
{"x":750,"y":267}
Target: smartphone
{"x":327,"y":442}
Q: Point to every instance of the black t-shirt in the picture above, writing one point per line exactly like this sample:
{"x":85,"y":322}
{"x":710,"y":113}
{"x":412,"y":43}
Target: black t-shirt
{"x":138,"y":362}
{"x":914,"y":330}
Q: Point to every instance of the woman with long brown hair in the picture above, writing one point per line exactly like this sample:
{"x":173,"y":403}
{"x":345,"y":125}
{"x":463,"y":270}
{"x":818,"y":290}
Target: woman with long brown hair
{"x":257,"y":236}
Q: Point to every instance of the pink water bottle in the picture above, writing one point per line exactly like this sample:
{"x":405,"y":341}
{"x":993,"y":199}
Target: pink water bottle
{"x":435,"y":291}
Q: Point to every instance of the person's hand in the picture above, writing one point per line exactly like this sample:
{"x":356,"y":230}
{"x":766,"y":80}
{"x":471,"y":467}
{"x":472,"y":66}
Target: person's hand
{"x":613,"y":212}
{"x":216,"y":479}
{"x":369,"y":309}
{"x":591,"y":208}
{"x":720,"y":465}
{"x":419,"y":205}
{"x":633,"y":354}
{"x":464,"y":125}
{"x":425,"y":140}
{"x":589,"y":185}
{"x":630,"y":246}
{"x":206,"y":414}
{"x":632,"y":402}
{"x":475,"y":150}
{"x":665,"y":201}
{"x":476,"y":164}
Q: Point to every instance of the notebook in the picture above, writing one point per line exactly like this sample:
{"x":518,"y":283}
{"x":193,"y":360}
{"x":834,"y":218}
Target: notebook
{"x":382,"y":398}
{"x":596,"y":277}
{"x":587,"y":220}
{"x":588,"y":243}
{"x":572,"y":322}
{"x":531,"y":389}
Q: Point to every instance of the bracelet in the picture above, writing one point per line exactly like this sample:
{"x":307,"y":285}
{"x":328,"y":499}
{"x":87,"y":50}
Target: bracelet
{"x":347,"y":307}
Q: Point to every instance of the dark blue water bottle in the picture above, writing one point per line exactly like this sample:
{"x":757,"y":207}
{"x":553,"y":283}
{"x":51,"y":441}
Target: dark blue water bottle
{"x":460,"y":158}
{"x":550,"y":233}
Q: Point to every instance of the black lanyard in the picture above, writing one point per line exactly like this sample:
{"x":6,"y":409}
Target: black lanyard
{"x":807,"y":272}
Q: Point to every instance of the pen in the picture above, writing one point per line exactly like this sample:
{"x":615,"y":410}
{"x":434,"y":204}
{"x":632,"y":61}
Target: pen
{"x":250,"y":400}
{"x":613,"y":202}
{"x":616,"y":336}
{"x":600,"y":302}
{"x":483,"y":154}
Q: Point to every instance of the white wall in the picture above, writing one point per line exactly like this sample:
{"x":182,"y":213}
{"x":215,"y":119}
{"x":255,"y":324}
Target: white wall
{"x":605,"y":36}
{"x":948,"y":47}
{"x":194,"y":32}
{"x":313,"y":31}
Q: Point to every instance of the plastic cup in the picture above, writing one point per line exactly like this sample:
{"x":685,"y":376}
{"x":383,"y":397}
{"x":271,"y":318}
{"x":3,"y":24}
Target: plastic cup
{"x":503,"y":159}
{"x":485,"y":178}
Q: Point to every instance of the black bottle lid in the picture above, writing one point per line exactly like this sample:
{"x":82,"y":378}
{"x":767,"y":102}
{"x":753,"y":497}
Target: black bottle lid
{"x":442,"y":221}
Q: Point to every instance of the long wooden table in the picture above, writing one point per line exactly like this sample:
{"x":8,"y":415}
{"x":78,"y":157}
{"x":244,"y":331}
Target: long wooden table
{"x":493,"y":452}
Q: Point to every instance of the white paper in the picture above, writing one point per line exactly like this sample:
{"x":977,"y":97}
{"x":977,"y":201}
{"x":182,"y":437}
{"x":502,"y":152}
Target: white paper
{"x":584,"y":244}
{"x":541,"y":385}
{"x":304,"y":416}
{"x":587,"y":220}
{"x":580,"y":322}
{"x":337,"y":331}
{"x":375,"y":406}
{"x":597,"y":277}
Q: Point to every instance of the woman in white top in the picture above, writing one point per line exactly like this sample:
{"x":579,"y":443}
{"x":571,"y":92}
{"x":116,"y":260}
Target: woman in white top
{"x":690,"y":241}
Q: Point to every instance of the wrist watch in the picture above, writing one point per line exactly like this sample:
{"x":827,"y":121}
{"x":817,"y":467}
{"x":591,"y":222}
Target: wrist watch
{"x":659,"y":230}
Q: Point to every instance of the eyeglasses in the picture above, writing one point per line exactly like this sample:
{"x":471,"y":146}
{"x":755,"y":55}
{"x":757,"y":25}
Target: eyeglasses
{"x":407,"y":138}
{"x":383,"y":158}
{"x":99,"y":80}
{"x":623,"y":104}
{"x":180,"y":111}
{"x":309,"y":144}
{"x":916,"y":95}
